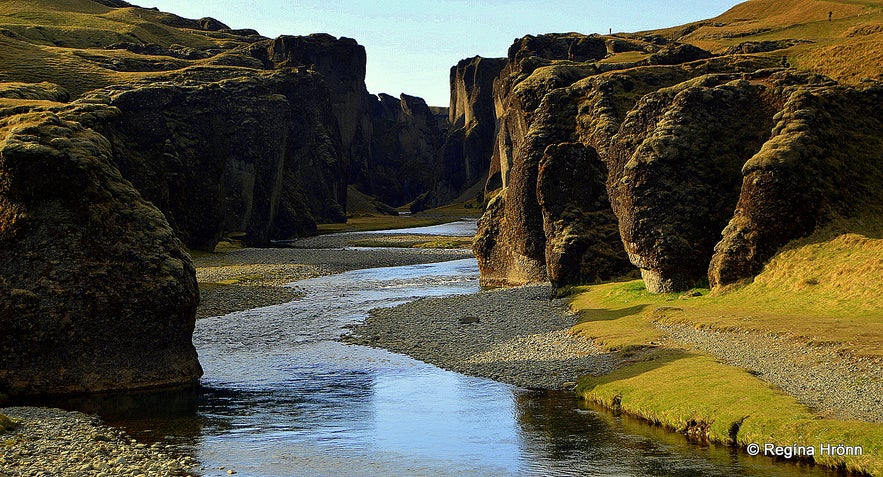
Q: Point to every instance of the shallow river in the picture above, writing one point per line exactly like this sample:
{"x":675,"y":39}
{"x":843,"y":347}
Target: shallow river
{"x":283,"y":397}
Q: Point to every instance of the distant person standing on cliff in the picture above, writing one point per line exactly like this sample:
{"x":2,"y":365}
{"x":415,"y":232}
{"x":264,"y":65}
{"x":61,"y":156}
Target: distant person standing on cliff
{"x":829,"y":15}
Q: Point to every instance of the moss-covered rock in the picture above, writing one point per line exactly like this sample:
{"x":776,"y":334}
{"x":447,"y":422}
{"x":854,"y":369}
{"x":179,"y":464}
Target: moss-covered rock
{"x":822,"y":161}
{"x":96,"y":292}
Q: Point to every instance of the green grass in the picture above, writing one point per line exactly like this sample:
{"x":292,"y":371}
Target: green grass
{"x":380,"y":222}
{"x":680,"y":389}
{"x":416,"y":241}
{"x":825,"y":289}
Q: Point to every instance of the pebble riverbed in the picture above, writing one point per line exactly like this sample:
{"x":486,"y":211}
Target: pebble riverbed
{"x":54,"y":443}
{"x":483,"y":335}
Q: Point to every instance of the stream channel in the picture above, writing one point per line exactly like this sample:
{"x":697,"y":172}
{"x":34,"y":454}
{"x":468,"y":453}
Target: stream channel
{"x":282,"y":396}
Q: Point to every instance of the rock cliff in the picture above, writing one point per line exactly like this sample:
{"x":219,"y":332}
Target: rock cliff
{"x":463,"y":160}
{"x":404,"y":149}
{"x":118,"y":146}
{"x":96,"y":293}
{"x":680,"y":139}
{"x":258,"y":154}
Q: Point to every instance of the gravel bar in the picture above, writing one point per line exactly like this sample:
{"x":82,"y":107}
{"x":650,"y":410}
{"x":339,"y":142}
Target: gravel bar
{"x":832,"y":385}
{"x":515,"y":335}
{"x":253,"y":277}
{"x":55,"y":443}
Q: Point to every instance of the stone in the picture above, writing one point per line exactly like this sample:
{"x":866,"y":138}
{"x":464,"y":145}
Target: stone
{"x":96,"y":292}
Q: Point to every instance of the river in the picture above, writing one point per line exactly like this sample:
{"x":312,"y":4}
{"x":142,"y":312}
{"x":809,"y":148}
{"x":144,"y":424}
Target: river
{"x":282,"y":396}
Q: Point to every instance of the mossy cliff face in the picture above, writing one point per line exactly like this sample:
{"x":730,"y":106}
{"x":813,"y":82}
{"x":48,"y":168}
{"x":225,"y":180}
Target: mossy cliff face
{"x":823,"y":160}
{"x":96,"y":293}
{"x":680,"y":146}
{"x":258,"y":154}
{"x":404,"y":148}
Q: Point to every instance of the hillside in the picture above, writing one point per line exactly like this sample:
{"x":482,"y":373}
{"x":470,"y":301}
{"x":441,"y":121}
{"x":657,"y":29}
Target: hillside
{"x":848,"y":48}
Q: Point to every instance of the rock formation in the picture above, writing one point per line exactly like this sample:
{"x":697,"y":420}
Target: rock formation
{"x":96,"y":293}
{"x":822,"y":160}
{"x":404,"y":147}
{"x":681,"y":139}
{"x":213,"y":164}
{"x":463,"y":160}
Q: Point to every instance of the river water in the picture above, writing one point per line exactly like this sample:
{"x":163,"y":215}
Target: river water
{"x":283,"y":397}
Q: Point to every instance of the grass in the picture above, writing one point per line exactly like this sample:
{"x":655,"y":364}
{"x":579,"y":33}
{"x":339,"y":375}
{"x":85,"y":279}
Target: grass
{"x":681,"y":390}
{"x":825,"y":289}
{"x":831,"y":49}
{"x":416,"y":241}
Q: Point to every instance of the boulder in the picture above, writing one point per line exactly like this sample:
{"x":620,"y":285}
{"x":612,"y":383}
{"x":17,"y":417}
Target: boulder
{"x":822,"y":162}
{"x":96,"y":292}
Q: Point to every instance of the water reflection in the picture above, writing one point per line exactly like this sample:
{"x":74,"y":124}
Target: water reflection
{"x":282,"y":397}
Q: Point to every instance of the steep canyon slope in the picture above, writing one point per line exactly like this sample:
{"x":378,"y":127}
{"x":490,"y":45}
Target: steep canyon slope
{"x":616,"y":152}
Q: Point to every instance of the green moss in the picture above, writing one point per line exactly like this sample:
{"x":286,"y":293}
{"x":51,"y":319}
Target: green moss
{"x":686,"y":391}
{"x":6,"y":424}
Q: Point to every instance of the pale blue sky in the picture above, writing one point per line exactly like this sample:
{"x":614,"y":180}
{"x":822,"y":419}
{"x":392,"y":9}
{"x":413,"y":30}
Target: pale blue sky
{"x":412,"y":44}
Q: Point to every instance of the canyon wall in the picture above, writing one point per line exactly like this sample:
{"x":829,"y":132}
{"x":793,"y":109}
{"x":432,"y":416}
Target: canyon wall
{"x":679,"y":139}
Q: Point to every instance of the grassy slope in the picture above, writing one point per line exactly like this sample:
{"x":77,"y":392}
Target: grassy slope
{"x":823,"y":289}
{"x":63,"y":41}
{"x":848,"y":48}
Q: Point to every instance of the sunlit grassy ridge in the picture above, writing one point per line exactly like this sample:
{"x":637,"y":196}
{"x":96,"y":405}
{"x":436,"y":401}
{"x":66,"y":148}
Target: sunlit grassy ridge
{"x":65,"y":42}
{"x":847,"y":48}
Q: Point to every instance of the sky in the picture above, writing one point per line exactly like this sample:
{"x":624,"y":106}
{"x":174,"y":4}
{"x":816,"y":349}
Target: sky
{"x":412,"y":44}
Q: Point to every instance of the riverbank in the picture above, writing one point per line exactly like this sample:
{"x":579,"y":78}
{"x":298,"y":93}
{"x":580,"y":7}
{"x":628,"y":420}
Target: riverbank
{"x":515,"y":335}
{"x":792,"y":359}
{"x":243,"y":278}
{"x":55,"y":442}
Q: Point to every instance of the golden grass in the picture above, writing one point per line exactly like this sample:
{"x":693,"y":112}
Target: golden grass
{"x":416,"y":241}
{"x":833,"y":49}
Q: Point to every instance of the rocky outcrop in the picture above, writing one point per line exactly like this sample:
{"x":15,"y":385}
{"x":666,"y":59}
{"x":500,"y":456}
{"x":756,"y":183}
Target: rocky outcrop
{"x":676,"y":173}
{"x":464,"y":157}
{"x":96,"y":293}
{"x":543,"y":102}
{"x":681,"y":139}
{"x":582,"y":235}
{"x":822,"y":161}
{"x":404,"y":149}
{"x":256,"y":154}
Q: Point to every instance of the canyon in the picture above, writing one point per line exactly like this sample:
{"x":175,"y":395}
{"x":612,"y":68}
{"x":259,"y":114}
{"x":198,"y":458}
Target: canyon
{"x":670,"y":154}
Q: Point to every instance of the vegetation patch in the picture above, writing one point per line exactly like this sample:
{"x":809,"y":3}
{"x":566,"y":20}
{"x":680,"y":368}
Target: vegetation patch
{"x":823,"y":289}
{"x":416,"y":241}
{"x":678,"y":390}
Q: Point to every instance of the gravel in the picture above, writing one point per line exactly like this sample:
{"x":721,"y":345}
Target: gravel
{"x":253,"y":277}
{"x":833,"y":385}
{"x":480,"y":335}
{"x":55,"y":443}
